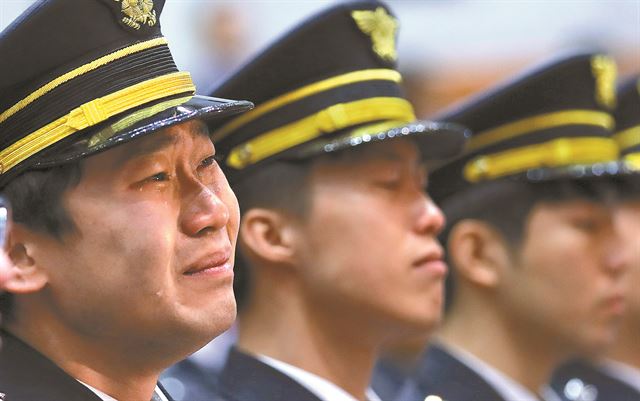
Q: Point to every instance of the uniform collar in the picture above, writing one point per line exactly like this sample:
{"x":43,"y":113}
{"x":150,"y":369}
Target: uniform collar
{"x":103,"y":396}
{"x":628,"y":374}
{"x":322,"y":388}
{"x":158,"y":394}
{"x":508,"y":388}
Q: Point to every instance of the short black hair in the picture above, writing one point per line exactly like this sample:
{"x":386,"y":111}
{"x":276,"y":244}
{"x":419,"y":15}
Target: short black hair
{"x":37,"y":202}
{"x":279,"y":185}
{"x":506,"y":204}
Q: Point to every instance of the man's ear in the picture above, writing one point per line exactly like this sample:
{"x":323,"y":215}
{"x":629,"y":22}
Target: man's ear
{"x":478,"y":253}
{"x":27,"y":276}
{"x":268,"y":235}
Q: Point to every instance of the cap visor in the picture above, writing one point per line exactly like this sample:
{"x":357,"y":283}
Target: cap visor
{"x":611,"y":169}
{"x":436,"y":140}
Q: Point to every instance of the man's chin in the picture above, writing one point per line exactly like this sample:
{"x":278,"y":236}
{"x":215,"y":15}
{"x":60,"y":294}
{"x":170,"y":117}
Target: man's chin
{"x":218,"y":321}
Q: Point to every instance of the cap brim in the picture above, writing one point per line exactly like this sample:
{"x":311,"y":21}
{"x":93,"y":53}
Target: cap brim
{"x":135,"y":124}
{"x":610,"y":169}
{"x":437,"y":141}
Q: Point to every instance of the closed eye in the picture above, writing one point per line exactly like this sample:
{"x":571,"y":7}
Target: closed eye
{"x":389,"y":183}
{"x":588,"y":224}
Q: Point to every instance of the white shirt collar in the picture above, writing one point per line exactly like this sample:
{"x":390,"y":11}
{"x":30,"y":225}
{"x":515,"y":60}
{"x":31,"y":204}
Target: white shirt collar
{"x":106,"y":397}
{"x":103,"y":396}
{"x":508,"y":388}
{"x":623,"y":372}
{"x":320,"y":387}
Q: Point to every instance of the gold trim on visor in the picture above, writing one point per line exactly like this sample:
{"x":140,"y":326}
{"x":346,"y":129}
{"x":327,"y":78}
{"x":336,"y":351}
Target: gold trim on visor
{"x":376,"y":128}
{"x":306,"y":91}
{"x":94,"y":112}
{"x":556,"y":153}
{"x":331,"y":119}
{"x":538,"y":123}
{"x":632,"y":160}
{"x":133,"y":118}
{"x":127,"y":51}
{"x":628,"y":138}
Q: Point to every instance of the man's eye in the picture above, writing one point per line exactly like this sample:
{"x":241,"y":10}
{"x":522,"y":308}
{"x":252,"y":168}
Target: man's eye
{"x":389,"y":184}
{"x":210,"y":161}
{"x":587,"y":224}
{"x":158,"y":177}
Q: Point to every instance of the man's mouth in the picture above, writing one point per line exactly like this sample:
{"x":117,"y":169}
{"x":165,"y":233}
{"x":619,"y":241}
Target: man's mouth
{"x":213,"y":263}
{"x":433,"y":262}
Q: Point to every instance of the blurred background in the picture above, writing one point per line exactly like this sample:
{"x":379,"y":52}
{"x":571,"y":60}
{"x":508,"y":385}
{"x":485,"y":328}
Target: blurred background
{"x":448,"y":49}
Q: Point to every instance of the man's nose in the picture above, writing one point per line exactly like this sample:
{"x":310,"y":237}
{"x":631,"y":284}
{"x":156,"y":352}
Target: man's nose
{"x":204,"y":210}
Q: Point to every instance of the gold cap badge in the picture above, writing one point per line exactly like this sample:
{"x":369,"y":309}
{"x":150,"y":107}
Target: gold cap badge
{"x":381,"y":27}
{"x":138,"y":13}
{"x":605,"y":72}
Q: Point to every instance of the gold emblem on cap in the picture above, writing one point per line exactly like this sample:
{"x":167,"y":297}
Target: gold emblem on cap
{"x":605,"y":72}
{"x":138,"y":13}
{"x":381,"y":27}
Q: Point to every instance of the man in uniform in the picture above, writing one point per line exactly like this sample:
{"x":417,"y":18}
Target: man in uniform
{"x":616,"y":376}
{"x":338,"y":234}
{"x":537,"y":267}
{"x":124,"y":225}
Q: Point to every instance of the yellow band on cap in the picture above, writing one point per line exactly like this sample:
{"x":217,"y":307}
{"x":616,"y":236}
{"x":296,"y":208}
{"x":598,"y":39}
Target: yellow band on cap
{"x":138,"y":47}
{"x":537,"y":123}
{"x":632,"y":160}
{"x":109,"y":132}
{"x":556,"y":153}
{"x":331,"y":119}
{"x":94,"y":112}
{"x":628,"y":138}
{"x":305,"y":91}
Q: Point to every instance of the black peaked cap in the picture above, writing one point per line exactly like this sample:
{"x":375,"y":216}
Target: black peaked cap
{"x":329,"y":84}
{"x":80,"y":76}
{"x":552,"y":121}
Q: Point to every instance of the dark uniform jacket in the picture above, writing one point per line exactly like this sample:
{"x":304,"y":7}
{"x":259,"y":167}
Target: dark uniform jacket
{"x":245,"y":378}
{"x":388,"y":378}
{"x":579,"y":381}
{"x":441,"y":374}
{"x":188,"y":381}
{"x":27,"y":375}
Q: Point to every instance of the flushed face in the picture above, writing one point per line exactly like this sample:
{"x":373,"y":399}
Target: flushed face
{"x":369,"y":253}
{"x":151,"y":260}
